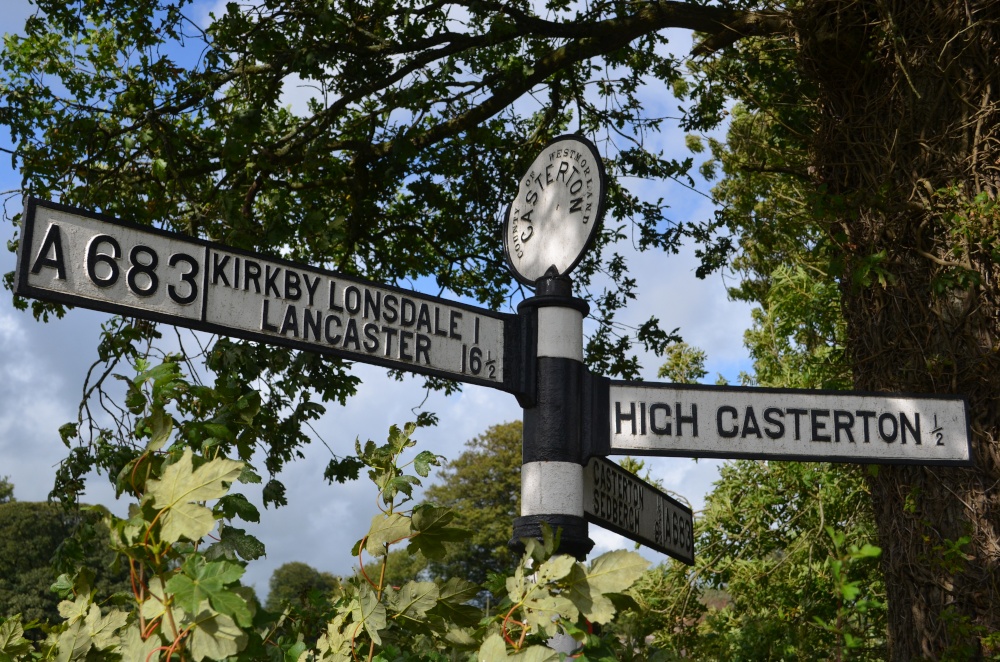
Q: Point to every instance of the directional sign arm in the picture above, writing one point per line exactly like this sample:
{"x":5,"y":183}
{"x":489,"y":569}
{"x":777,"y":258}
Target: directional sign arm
{"x":674,"y":420}
{"x":80,"y":258}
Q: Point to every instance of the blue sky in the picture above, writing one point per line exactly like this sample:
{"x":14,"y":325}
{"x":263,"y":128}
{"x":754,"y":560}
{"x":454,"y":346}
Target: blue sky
{"x":43,"y":367}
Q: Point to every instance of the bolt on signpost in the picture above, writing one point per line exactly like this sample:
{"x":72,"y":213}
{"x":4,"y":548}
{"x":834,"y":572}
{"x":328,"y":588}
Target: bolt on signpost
{"x":572,"y":418}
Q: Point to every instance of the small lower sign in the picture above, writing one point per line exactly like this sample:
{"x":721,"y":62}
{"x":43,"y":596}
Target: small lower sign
{"x":624,"y":503}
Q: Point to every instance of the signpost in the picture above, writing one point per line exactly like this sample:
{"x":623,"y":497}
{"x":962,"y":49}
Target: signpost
{"x":782,"y":424}
{"x":74,"y":257}
{"x":622,"y":502}
{"x":572,"y":419}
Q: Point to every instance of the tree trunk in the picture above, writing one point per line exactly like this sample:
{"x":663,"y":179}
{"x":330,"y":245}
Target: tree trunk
{"x":909,"y":152}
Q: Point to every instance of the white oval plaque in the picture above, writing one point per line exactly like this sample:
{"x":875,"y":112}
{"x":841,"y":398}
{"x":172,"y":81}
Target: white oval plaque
{"x":558,"y":208}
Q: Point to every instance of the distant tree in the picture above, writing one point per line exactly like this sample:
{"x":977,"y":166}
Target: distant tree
{"x":293,"y":583}
{"x":31,"y":536}
{"x":684,"y":364}
{"x":6,"y":490}
{"x":483,"y":487}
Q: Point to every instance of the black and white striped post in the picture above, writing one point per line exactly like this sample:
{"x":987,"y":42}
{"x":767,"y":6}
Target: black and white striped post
{"x":549,"y":226}
{"x":552,"y":452}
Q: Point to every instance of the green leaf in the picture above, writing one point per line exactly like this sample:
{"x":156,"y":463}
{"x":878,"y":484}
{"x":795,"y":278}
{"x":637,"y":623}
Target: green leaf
{"x":493,"y":649}
{"x":430,"y":525}
{"x":181,"y":486}
{"x":215,"y":636}
{"x":414,"y":599}
{"x":133,"y":646}
{"x":615,"y":571}
{"x":161,"y":424}
{"x":385,"y":529}
{"x":424,"y":461}
{"x":367,"y":610}
{"x":102,"y":630}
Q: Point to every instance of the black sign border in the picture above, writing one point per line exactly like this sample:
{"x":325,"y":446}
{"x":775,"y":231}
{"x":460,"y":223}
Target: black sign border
{"x":513,"y":372}
{"x":593,"y":519}
{"x":600,"y":444}
{"x":598,"y":218}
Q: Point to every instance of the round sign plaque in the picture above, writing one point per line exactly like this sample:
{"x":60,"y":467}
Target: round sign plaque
{"x":557,"y":211}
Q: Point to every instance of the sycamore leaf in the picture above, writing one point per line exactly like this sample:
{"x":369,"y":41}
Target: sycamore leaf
{"x":493,"y":649}
{"x":430,"y":525}
{"x":367,"y":610}
{"x":133,"y":646}
{"x":414,"y":599}
{"x":102,"y":630}
{"x":541,"y":611}
{"x":536,"y":654}
{"x":161,"y":424}
{"x":12,"y":641}
{"x":615,"y":571}
{"x":555,"y":568}
{"x":215,"y":636}
{"x":386,"y":529}
{"x":593,"y":605}
{"x":334,"y":645}
{"x":175,"y":493}
{"x":76,"y":610}
{"x":73,"y":642}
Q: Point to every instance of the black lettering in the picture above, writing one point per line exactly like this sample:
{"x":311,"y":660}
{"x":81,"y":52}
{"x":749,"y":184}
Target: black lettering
{"x":251,"y":272}
{"x":352,"y":299}
{"x":642,"y":418}
{"x":864,"y":416}
{"x":404,"y":343}
{"x":373,"y":305}
{"x":371,"y":338}
{"x":311,"y":287}
{"x":424,"y":319}
{"x":888,"y":437}
{"x":53,"y":242}
{"x":817,"y":425}
{"x":351,"y":335}
{"x":188,"y":278}
{"x":619,"y":417}
{"x":236,"y":272}
{"x":726,"y":434}
{"x":93,"y":258}
{"x":334,"y":306}
{"x":778,"y":431}
{"x":311,"y":320}
{"x":390,"y":333}
{"x":750,"y":424}
{"x":575,"y":205}
{"x":659,"y":429}
{"x":332,"y":320}
{"x":423,"y":347}
{"x":843,"y":421}
{"x":265,"y":325}
{"x":293,"y":289}
{"x":407,"y":312}
{"x":391,"y":313}
{"x":563,"y":170}
{"x":291,"y":322}
{"x":576,"y":186}
{"x":219,"y":269}
{"x":914,"y":428}
{"x":455,"y":318}
{"x":271,"y":281}
{"x":692,"y":419}
{"x":797,"y":413}
{"x":438,"y":331}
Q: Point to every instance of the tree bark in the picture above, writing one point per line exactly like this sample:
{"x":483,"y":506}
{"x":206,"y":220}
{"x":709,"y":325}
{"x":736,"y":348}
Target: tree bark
{"x":909,"y":152}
